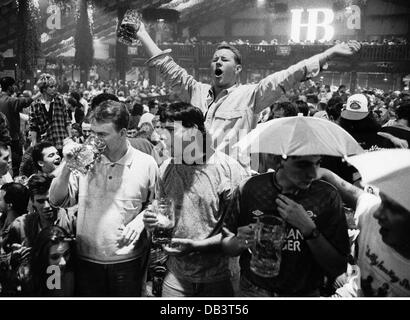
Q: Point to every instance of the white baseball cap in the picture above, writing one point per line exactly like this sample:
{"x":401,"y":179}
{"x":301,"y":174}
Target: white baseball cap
{"x":146,"y":117}
{"x":356,"y":107}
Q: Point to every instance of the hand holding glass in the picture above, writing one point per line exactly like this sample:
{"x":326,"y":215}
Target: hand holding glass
{"x":164,"y":210}
{"x":129,"y":27}
{"x":84,"y":158}
{"x":270,"y":235}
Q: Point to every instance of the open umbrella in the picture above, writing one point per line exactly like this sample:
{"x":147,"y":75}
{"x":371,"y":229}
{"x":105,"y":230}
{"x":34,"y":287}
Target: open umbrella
{"x":299,"y":136}
{"x":388,"y":170}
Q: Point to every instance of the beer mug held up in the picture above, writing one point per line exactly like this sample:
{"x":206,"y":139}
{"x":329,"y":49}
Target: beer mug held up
{"x":130,"y":24}
{"x":84,"y":158}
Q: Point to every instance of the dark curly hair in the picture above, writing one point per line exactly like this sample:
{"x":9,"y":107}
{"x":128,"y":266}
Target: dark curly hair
{"x":39,"y":183}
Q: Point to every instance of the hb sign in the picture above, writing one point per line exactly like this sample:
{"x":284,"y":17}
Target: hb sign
{"x":321,"y":18}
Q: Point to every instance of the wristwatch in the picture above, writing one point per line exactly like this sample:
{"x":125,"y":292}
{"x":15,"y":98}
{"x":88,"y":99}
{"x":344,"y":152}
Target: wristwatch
{"x":314,"y":234}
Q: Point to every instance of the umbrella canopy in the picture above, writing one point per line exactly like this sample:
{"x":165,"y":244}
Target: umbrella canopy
{"x":300,"y":136}
{"x":388,"y":170}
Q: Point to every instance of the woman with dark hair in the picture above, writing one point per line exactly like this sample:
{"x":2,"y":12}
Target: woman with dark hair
{"x":52,"y":264}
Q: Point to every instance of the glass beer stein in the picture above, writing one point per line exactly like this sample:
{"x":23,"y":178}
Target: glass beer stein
{"x":164,"y":210}
{"x":270,"y":235}
{"x":130,"y":24}
{"x":85,"y":157}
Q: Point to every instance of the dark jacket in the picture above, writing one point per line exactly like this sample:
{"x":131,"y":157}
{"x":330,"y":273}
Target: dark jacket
{"x":11,"y":107}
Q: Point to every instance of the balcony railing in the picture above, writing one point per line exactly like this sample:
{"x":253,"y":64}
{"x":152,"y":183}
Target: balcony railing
{"x":262,"y":52}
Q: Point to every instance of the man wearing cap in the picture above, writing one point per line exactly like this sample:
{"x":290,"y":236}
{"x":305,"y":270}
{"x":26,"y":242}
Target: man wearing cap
{"x":359,"y":121}
{"x":11,"y":107}
{"x":384,"y":239}
{"x":49,"y":118}
{"x":231,"y":109}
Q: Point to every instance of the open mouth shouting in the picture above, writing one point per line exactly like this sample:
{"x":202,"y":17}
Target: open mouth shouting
{"x":218,"y":73}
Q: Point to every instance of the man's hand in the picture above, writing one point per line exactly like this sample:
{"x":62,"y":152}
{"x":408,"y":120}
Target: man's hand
{"x":179,"y":247}
{"x":141,"y":29}
{"x":4,"y":167}
{"x":399,"y":143}
{"x":129,"y":233}
{"x":36,"y":96}
{"x":19,"y":254}
{"x":150,"y":219}
{"x":69,"y":148}
{"x":294,"y":214}
{"x":246,"y":236}
{"x":346,"y":49}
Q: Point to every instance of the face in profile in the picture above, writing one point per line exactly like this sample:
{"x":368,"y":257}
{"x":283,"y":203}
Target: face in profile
{"x":3,"y":204}
{"x":4,"y":161}
{"x":394,"y":221}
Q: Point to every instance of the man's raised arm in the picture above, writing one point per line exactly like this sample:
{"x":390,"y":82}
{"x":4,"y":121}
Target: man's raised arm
{"x":187,"y":88}
{"x":273,"y":86}
{"x":63,"y":189}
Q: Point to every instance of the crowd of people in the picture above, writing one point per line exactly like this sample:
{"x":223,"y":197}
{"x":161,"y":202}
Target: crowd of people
{"x":238,"y":42}
{"x":70,"y":233}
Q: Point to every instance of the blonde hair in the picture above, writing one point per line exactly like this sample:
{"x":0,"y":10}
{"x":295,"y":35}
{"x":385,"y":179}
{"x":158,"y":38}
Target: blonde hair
{"x":45,"y":81}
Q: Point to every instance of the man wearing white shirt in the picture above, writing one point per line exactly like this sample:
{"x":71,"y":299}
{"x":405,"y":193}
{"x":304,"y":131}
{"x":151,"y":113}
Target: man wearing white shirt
{"x":111,"y":245}
{"x":230,"y":108}
{"x":383,"y":242}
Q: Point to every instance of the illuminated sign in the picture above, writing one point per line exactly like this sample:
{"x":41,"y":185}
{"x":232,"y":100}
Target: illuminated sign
{"x":54,"y":20}
{"x":325,"y":21}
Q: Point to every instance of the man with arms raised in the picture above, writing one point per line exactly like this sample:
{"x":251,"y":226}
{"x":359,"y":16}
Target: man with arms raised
{"x":231,"y":109}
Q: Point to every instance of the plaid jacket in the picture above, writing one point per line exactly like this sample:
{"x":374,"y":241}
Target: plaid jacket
{"x":54,"y":131}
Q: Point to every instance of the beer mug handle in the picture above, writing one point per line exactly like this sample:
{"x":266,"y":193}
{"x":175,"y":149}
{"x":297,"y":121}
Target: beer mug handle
{"x":256,"y":232}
